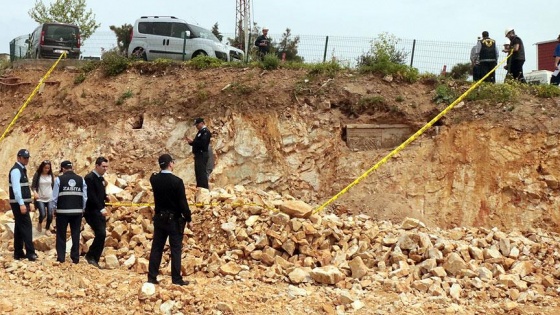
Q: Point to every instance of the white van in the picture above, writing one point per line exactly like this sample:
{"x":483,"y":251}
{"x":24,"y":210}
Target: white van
{"x":154,"y":37}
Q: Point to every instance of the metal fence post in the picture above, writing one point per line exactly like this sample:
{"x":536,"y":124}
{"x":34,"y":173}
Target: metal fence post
{"x":326,"y":47}
{"x":412,"y":54}
{"x":184,"y":44}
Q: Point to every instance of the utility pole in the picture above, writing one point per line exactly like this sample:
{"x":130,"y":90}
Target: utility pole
{"x":242,"y":17}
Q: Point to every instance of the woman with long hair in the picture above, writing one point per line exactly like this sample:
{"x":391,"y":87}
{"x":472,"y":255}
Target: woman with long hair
{"x":42,"y":187}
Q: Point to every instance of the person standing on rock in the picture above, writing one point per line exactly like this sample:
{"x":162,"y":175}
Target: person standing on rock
{"x":20,"y":201}
{"x":42,"y":187}
{"x":200,"y":145}
{"x":95,"y":213}
{"x":69,"y":201}
{"x":172,"y":213}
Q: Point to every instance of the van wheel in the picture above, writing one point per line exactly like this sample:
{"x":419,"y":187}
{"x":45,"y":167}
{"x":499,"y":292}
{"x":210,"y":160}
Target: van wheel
{"x":199,"y":53}
{"x":140,"y":54}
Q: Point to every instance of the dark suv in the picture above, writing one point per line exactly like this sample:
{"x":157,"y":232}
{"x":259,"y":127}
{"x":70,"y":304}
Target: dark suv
{"x":49,"y":40}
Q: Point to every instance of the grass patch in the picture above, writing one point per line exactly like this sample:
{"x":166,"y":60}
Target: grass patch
{"x":126,"y":95}
{"x":204,"y":62}
{"x":496,"y":93}
{"x":398,"y":71}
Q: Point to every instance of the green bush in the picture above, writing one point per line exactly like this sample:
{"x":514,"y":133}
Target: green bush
{"x":204,"y":62}
{"x":461,"y":71}
{"x":270,"y":62}
{"x":496,"y":93}
{"x":80,"y":78}
{"x":545,"y":90}
{"x":403,"y":72}
{"x":445,"y":94}
{"x":327,"y":68}
{"x":113,"y":63}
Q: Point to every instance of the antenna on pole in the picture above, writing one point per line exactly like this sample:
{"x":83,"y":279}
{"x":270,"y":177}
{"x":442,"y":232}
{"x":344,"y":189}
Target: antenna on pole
{"x":242,"y":18}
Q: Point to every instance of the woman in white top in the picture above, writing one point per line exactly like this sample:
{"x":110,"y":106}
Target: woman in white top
{"x":42,"y":187}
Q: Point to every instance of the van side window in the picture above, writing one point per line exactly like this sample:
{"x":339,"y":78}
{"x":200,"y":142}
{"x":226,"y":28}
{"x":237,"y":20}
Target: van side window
{"x":145,"y":27}
{"x":178,"y":29}
{"x":162,"y":28}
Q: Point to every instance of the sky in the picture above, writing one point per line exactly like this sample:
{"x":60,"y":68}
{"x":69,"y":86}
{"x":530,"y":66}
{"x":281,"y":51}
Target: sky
{"x":432,"y":20}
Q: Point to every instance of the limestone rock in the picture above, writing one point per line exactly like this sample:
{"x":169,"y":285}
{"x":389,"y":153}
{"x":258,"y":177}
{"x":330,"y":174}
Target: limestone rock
{"x":327,"y":275}
{"x":296,"y":208}
{"x":358,"y":267}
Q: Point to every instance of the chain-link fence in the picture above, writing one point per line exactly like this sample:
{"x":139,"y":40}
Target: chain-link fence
{"x":427,"y":56}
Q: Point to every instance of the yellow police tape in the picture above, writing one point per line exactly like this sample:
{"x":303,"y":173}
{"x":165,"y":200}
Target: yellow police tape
{"x":198,"y":204}
{"x":409,"y":140}
{"x":31,"y":96}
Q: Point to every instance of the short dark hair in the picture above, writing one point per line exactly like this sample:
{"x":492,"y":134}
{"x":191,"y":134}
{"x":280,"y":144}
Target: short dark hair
{"x":485,"y":34}
{"x":100,"y":160}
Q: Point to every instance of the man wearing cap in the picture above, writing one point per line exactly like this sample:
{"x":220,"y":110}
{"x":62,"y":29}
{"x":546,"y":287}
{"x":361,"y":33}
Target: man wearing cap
{"x":517,"y":55}
{"x":20,"y":201}
{"x":95,"y":213}
{"x":555,"y":79}
{"x":263,"y":43}
{"x":69,"y":200}
{"x":487,"y":56}
{"x":171,"y":215}
{"x":200,"y":145}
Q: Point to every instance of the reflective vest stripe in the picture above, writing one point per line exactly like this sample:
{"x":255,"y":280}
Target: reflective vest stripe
{"x":69,"y":211}
{"x":24,"y":200}
{"x":21,"y":184}
{"x":70,"y":193}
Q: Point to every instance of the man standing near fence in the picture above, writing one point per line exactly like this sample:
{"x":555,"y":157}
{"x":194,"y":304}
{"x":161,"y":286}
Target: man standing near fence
{"x":487,"y":56}
{"x":517,"y":55}
{"x":263,"y":44}
{"x":474,"y":62}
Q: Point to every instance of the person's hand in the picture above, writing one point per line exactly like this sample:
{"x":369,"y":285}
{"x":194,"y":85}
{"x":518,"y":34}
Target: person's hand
{"x":23,"y":209}
{"x":35,"y":195}
{"x":189,"y":140}
{"x":31,"y":207}
{"x":104,"y":212}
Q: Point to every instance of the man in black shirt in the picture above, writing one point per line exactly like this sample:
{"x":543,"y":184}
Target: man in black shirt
{"x":172,"y":213}
{"x":517,"y":55}
{"x":263,"y":43}
{"x":487,"y":56}
{"x":200,"y":145}
{"x":95,"y":213}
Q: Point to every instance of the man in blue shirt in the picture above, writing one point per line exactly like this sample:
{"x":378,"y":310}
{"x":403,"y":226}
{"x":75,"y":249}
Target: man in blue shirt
{"x":20,"y":201}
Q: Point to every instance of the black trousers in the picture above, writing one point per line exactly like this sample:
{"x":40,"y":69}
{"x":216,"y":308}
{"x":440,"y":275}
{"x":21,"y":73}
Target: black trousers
{"x":98,"y":224}
{"x":486,"y":67}
{"x":62,"y":222}
{"x":165,"y":227}
{"x":23,"y":232}
{"x":200,"y":162}
{"x":516,"y":70}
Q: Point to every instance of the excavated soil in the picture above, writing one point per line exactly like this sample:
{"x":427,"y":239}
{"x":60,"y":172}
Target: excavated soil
{"x":488,"y":165}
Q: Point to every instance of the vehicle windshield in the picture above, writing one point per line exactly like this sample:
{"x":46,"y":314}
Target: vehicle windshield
{"x":203,"y":33}
{"x":61,"y":33}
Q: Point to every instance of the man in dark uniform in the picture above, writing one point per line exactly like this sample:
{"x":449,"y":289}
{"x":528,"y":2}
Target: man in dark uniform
{"x":517,"y":55}
{"x":96,"y":214}
{"x":172,"y":213}
{"x":487,"y":56}
{"x":20,"y":201}
{"x":200,"y":150}
{"x":263,"y":43}
{"x":69,"y":200}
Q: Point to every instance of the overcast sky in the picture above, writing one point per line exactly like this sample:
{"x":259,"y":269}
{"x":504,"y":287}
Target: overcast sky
{"x":432,"y":20}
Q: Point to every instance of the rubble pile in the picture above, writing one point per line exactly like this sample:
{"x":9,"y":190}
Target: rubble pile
{"x":251,"y":234}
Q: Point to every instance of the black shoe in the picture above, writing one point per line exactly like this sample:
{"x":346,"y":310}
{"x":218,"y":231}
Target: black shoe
{"x":19,"y":256}
{"x":92,"y":262}
{"x":32,"y":257}
{"x":153,"y":281}
{"x":181,"y":282}
{"x":75,"y":261}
